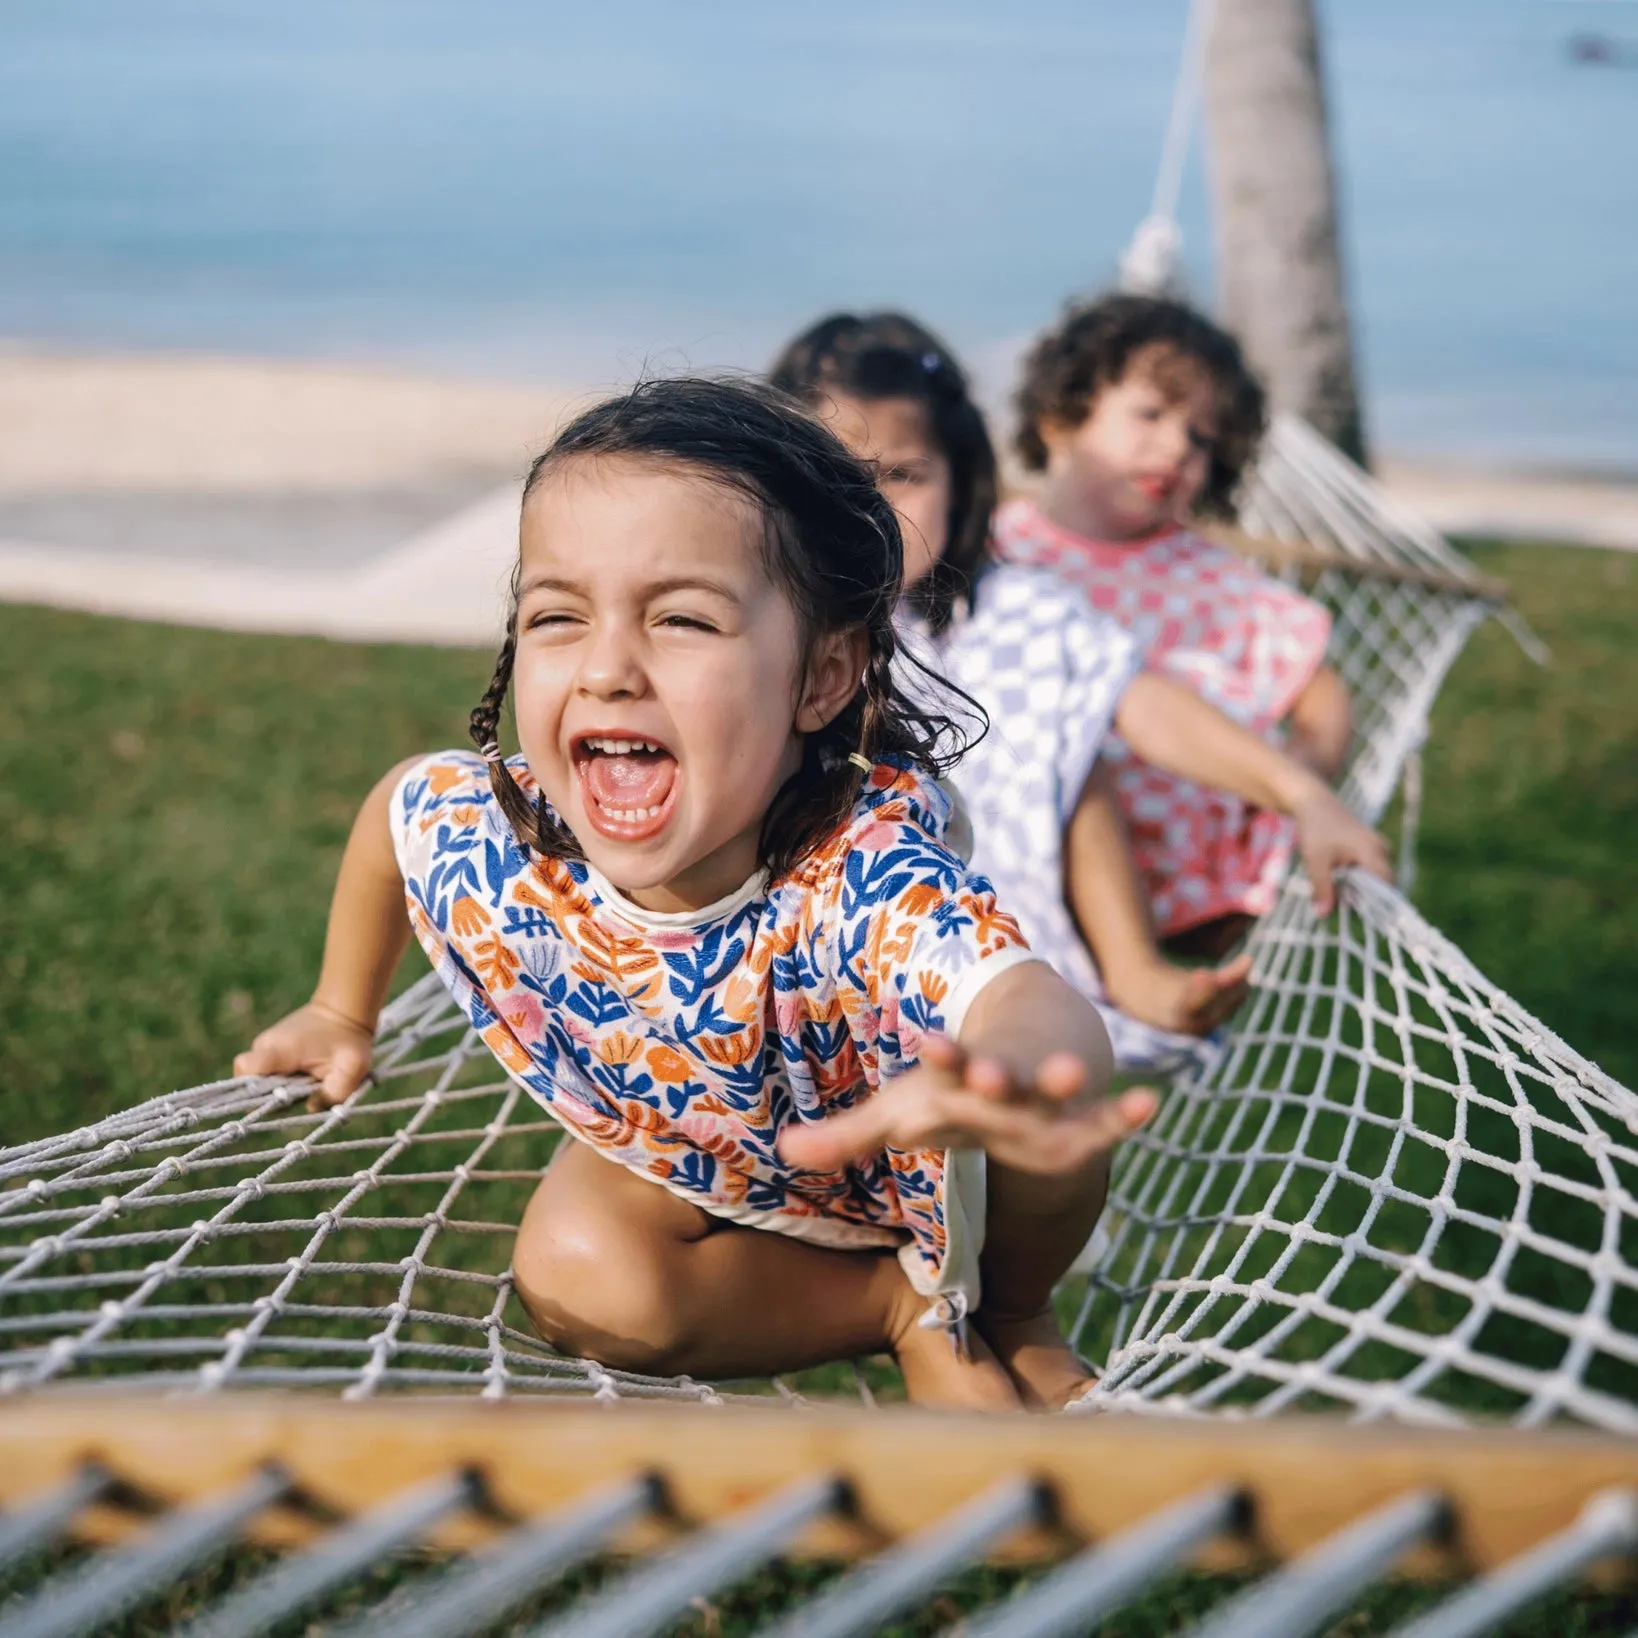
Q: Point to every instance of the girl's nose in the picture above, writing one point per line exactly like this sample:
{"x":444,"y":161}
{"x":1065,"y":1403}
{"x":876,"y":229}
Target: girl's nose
{"x":610,"y":666}
{"x":1174,"y":439}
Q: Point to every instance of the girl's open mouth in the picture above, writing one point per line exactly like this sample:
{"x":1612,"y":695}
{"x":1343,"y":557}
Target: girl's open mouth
{"x":629,"y":785}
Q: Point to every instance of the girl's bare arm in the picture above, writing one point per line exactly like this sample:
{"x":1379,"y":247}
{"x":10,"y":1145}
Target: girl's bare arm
{"x":330,"y":1038}
{"x":1172,"y":727}
{"x":1322,"y":724}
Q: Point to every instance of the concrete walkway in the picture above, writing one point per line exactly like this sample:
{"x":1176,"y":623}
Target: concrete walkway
{"x":255,"y":495}
{"x":1577,"y":511}
{"x":264,"y":494}
{"x":447,"y":584}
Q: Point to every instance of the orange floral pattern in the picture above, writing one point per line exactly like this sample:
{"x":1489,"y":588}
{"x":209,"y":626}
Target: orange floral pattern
{"x":684,"y":1051}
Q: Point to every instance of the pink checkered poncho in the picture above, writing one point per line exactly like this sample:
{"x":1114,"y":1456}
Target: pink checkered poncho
{"x":1241,"y":640}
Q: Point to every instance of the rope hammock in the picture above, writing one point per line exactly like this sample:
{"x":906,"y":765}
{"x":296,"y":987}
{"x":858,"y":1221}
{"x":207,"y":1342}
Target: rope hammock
{"x":1389,"y":1190}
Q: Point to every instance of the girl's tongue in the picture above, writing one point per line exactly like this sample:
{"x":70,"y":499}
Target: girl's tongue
{"x":629,"y":781}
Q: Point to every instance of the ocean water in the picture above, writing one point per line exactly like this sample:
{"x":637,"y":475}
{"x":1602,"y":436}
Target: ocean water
{"x":572,"y":192}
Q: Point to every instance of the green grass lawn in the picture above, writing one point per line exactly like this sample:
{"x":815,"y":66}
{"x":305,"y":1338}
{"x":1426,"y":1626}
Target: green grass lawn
{"x":1529,"y":852}
{"x":174,"y":804}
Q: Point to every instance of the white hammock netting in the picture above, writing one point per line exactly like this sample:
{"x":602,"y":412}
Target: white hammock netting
{"x":1389,"y":1190}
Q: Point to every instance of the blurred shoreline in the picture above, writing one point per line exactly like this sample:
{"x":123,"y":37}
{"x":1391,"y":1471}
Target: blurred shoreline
{"x":109,"y":421}
{"x":361,"y":502}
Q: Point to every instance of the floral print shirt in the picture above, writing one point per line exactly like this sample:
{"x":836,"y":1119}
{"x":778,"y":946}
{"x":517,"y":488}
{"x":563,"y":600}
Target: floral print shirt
{"x":683,"y":1044}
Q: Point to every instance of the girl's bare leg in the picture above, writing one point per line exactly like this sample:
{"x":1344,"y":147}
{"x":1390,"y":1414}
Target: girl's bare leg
{"x":1034,"y":1229}
{"x":613,"y":1267}
{"x":1111,"y":908}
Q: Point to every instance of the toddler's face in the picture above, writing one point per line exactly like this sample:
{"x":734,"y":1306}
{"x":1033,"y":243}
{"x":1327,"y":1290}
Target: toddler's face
{"x":656,"y":678}
{"x":912,"y":471}
{"x":1137,"y":463}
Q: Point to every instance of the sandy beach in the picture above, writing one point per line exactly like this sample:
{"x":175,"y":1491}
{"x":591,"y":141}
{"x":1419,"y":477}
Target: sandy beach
{"x":171,"y":424}
{"x":262,"y":494}
{"x":277,"y":495}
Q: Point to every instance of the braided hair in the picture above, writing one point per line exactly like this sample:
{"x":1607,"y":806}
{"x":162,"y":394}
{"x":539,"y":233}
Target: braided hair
{"x":831,"y":541}
{"x":887,"y":355}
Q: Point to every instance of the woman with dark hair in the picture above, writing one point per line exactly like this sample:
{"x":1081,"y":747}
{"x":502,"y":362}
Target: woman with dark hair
{"x":707,"y":917}
{"x":1057,"y":680}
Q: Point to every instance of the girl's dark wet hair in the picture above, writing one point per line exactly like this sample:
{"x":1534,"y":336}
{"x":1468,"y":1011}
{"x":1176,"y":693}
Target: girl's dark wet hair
{"x":1093,"y":345}
{"x":832,"y":543}
{"x":886,"y":355}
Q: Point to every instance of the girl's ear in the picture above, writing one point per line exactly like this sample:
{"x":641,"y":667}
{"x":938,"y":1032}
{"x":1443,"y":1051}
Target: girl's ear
{"x":1057,"y":436}
{"x":834,"y":669}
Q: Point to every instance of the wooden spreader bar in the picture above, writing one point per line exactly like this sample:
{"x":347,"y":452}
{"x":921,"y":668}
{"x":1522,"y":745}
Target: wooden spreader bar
{"x":530,"y":1492}
{"x":1280,"y":553}
{"x":1304,"y":1478}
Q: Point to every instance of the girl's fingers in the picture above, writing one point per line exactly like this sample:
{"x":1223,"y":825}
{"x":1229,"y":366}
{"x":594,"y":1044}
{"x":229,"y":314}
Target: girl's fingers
{"x":1137,"y":1106}
{"x":989,"y":1078}
{"x":346,"y":1074}
{"x":1075,"y":1141}
{"x":1321,"y":864}
{"x":1061,"y":1077}
{"x":1031,"y":1136}
{"x":942,"y":1053}
{"x":839,"y":1140}
{"x":1375,"y":857}
{"x":258,"y":1060}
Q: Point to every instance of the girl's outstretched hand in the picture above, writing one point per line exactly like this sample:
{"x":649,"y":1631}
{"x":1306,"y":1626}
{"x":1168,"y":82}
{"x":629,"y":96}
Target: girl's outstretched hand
{"x":953,"y":1100}
{"x":1329,"y":836}
{"x":313,"y":1040}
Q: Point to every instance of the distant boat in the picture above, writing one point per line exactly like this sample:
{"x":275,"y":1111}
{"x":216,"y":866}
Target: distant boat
{"x":1601,"y":49}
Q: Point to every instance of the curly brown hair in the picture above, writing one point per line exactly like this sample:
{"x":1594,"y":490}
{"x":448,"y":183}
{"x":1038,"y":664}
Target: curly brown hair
{"x":1094,"y":344}
{"x":831,"y":541}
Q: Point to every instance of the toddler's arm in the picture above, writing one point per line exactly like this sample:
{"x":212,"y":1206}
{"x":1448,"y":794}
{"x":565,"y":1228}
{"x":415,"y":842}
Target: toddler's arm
{"x":331,"y":1037}
{"x":1322,"y":724}
{"x":1027,"y":1082}
{"x":1172,"y":727}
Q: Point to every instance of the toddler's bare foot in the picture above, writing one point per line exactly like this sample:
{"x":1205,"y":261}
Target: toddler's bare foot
{"x":1046,"y":1371}
{"x":1186,"y":1000}
{"x":935,"y":1376}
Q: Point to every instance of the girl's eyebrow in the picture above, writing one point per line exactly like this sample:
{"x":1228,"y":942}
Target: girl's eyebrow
{"x":658,"y":588}
{"x":547,"y":582}
{"x":694,"y":582}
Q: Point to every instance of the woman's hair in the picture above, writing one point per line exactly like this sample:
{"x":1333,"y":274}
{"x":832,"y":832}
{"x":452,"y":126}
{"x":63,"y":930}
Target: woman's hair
{"x":1092,"y":347}
{"x":886,"y":355}
{"x":831,"y":542}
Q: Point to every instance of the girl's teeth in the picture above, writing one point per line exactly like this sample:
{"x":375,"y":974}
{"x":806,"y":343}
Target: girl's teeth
{"x":630,"y":816}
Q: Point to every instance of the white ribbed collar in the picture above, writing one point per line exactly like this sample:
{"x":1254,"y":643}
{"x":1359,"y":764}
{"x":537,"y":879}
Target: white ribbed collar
{"x":659,"y":921}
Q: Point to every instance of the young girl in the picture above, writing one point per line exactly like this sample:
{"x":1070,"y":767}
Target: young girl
{"x":706,"y":917}
{"x":1053,"y":676}
{"x":1141,"y":415}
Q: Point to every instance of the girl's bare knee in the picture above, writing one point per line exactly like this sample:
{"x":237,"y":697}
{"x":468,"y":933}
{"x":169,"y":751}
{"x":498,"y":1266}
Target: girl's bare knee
{"x":596,"y":1290}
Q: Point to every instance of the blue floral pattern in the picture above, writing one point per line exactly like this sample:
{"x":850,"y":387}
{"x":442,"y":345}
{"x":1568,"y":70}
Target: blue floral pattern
{"x":684,"y":1050}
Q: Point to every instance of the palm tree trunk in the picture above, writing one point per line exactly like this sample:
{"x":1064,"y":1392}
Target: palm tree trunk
{"x":1274,"y":197}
